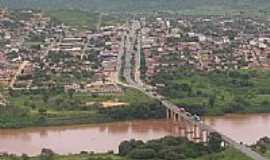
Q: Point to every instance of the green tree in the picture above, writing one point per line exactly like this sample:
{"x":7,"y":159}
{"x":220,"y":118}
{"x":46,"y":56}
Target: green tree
{"x":71,"y":93}
{"x":214,"y":144}
{"x":127,"y":146}
{"x":142,"y":153}
{"x":45,"y":98}
{"x":212,"y":100}
{"x":25,"y":157}
{"x":11,"y":92}
{"x":42,"y":110}
{"x":46,"y":154}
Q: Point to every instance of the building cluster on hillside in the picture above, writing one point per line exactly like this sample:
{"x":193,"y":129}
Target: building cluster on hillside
{"x":205,"y":43}
{"x":36,"y":53}
{"x":17,"y":30}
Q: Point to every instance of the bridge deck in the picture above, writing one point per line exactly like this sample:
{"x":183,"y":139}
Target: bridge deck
{"x":143,"y":88}
{"x":242,"y":148}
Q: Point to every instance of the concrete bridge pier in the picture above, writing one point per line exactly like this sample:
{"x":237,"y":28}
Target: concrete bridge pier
{"x":183,"y":132}
{"x":204,"y":136}
{"x":189,"y":133}
{"x":169,"y":114}
{"x":176,"y":117}
{"x":172,"y":115}
{"x":175,"y":128}
{"x":197,"y":137}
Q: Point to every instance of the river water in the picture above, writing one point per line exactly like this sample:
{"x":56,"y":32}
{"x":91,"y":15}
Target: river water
{"x":246,"y":128}
{"x":104,"y":137}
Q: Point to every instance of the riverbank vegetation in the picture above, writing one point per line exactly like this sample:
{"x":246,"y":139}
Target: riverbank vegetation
{"x":263,"y":146}
{"x":57,"y":107}
{"x":241,"y":91}
{"x":167,"y":148}
{"x":82,"y":156}
{"x":228,"y":154}
{"x":172,"y":148}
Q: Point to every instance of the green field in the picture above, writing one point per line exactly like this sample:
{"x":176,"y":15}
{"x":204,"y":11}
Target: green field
{"x":197,"y":7}
{"x":69,"y":157}
{"x":83,"y":19}
{"x":228,"y":154}
{"x":242,"y":91}
{"x":56,"y":107}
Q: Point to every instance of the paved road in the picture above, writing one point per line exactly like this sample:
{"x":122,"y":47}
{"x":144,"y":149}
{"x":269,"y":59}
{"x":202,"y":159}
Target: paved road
{"x":19,"y":71}
{"x":145,"y":89}
{"x":137,"y":74}
{"x":129,"y":46}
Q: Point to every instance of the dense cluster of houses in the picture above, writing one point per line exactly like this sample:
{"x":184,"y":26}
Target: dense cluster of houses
{"x":205,"y":43}
{"x":36,"y":52}
{"x":14,"y":32}
{"x":56,"y":55}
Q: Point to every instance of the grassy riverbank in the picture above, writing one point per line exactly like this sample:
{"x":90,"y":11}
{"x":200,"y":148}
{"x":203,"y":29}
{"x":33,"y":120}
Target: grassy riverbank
{"x":242,"y":91}
{"x":70,"y":157}
{"x":262,"y":146}
{"x":56,"y":107}
{"x":167,"y":148}
{"x":228,"y":154}
{"x":173,"y":148}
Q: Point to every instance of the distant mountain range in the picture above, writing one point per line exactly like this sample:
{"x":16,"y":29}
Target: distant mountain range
{"x":135,"y":5}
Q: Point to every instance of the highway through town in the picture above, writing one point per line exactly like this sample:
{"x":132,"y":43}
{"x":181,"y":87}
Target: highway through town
{"x":128,"y":47}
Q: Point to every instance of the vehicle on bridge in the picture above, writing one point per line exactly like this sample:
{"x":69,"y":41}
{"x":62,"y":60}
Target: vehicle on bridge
{"x":196,"y":118}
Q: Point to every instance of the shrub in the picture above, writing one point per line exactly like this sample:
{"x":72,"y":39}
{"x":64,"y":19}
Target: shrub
{"x":142,"y":153}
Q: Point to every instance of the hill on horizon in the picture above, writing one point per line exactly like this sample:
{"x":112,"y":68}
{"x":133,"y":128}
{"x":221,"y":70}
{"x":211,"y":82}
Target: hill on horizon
{"x":139,"y":5}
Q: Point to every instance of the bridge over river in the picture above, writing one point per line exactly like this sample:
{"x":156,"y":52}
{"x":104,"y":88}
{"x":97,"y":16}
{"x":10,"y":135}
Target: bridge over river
{"x":199,"y":130}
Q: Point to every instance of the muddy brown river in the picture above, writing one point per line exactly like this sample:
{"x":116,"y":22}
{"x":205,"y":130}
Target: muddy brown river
{"x":104,"y":137}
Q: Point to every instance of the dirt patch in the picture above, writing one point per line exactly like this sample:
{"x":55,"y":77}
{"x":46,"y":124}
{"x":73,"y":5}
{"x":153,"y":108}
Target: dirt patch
{"x":113,"y":104}
{"x":108,"y":104}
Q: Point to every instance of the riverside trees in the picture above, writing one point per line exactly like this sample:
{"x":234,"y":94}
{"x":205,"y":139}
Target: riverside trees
{"x":169,"y":148}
